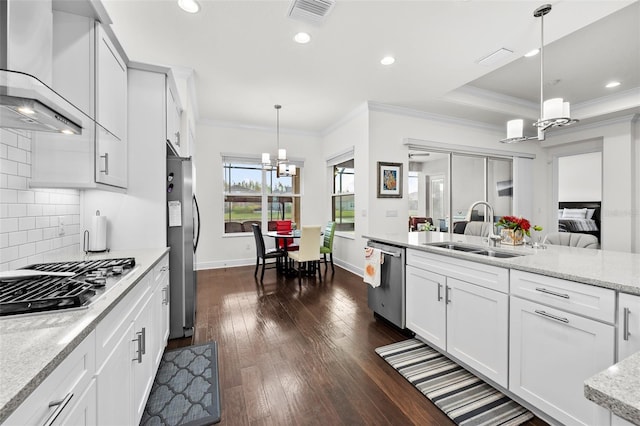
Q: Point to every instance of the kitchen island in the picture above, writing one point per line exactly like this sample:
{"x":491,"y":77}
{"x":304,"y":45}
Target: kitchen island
{"x":548,"y":299}
{"x":33,"y":346}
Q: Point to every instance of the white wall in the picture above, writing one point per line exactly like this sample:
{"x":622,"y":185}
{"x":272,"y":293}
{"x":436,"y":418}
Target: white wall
{"x":217,"y":250}
{"x":354,"y":131}
{"x":34,"y":223}
{"x":580,"y":177}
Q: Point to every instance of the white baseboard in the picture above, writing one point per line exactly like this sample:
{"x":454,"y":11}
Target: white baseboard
{"x":219,"y":264}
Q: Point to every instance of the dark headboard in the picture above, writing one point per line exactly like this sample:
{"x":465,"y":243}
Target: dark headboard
{"x":585,"y":205}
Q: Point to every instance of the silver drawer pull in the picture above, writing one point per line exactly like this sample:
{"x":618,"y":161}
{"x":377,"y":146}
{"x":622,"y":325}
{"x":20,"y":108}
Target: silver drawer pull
{"x":106,"y":163}
{"x":553,"y":293}
{"x":139,"y":350}
{"x":165,"y":295}
{"x":446,"y":295}
{"x":61,"y":403}
{"x":625,"y":331}
{"x":544,"y":314}
{"x":439,"y":292}
{"x":144,"y":340}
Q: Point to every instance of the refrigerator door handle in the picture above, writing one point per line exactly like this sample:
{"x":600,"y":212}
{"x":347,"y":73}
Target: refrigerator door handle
{"x":197,"y":215}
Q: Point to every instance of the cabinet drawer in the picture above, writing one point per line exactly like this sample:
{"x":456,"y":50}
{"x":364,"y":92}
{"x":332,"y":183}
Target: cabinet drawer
{"x":161,"y":269}
{"x":66,"y":383}
{"x":111,"y":328}
{"x":481,"y":274}
{"x":582,"y":299}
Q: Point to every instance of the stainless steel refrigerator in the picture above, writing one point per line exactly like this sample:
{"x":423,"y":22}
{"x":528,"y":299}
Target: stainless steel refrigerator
{"x":183,"y":220}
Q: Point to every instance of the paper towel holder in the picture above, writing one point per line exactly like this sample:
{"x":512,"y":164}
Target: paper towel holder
{"x":85,"y":241}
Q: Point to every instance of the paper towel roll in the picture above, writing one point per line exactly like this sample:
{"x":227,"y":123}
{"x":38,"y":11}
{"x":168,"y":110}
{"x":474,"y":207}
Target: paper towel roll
{"x":98,"y":234}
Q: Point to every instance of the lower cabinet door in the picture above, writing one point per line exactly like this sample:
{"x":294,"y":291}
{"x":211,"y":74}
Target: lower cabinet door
{"x":143,"y":363}
{"x":425,"y":307}
{"x":628,"y":325}
{"x":552,"y":353}
{"x":477,"y":328}
{"x":115,"y":403}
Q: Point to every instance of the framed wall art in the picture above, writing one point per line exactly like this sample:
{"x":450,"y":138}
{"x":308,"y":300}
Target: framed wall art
{"x":389,"y":180}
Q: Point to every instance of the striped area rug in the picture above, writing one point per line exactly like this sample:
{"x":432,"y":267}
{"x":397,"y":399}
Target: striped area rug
{"x":466,"y":399}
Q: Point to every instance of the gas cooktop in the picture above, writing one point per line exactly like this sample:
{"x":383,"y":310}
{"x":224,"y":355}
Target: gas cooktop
{"x":83,"y":282}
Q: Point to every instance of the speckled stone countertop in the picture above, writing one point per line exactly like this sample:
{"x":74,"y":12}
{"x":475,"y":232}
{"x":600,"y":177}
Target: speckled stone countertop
{"x":32,"y":346}
{"x":602,"y":268}
{"x":618,"y":388}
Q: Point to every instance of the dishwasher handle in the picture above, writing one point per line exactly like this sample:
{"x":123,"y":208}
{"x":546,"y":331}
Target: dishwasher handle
{"x":390,"y":253}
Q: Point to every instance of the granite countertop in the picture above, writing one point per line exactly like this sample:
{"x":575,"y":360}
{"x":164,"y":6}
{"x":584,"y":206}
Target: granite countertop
{"x":602,"y":268}
{"x":618,"y":388}
{"x":32,"y":346}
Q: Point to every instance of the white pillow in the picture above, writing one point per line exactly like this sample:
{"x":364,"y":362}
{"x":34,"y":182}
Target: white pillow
{"x":590,"y":213}
{"x":574,"y":213}
{"x":560,"y":212}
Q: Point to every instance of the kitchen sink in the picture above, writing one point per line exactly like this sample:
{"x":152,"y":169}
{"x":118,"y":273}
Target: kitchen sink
{"x":474,"y":250}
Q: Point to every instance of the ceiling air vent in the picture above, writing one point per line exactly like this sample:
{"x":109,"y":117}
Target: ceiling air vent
{"x":314,"y":11}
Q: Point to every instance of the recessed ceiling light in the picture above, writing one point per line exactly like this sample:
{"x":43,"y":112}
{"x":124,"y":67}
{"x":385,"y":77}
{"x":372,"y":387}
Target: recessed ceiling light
{"x":191,"y":6}
{"x":387,"y":60}
{"x":531,"y":53}
{"x":612,"y":84}
{"x":302,"y":38}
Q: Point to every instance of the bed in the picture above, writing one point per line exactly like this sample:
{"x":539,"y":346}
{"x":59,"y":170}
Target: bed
{"x":579,"y":216}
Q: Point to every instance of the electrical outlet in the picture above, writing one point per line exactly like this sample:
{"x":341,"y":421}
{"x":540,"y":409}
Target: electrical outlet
{"x":60,"y":225}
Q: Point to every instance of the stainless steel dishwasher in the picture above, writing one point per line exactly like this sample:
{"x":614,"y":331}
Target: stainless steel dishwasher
{"x":387,"y":300}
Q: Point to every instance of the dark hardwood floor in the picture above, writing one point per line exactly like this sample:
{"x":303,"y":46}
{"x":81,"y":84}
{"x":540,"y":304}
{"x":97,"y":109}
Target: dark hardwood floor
{"x":291,"y":355}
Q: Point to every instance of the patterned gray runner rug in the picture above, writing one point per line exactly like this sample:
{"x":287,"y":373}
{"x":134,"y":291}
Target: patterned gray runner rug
{"x":465,"y":398}
{"x":185,"y":390}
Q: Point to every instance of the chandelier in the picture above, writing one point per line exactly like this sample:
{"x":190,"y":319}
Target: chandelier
{"x":282,"y":166}
{"x":553,"y":112}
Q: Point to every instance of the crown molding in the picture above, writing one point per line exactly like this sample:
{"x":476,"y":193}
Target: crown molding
{"x":362,"y":108}
{"x":408,"y":112}
{"x":242,"y":126}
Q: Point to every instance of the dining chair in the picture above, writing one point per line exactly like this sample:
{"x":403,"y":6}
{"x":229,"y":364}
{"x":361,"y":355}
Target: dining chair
{"x":264,"y":254}
{"x":308,"y":255}
{"x":327,"y":244}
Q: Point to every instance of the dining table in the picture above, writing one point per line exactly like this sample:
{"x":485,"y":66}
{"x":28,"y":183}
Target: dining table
{"x":283,"y":235}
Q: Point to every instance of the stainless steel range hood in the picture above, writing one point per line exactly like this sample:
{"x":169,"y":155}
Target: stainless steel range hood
{"x":28,"y":104}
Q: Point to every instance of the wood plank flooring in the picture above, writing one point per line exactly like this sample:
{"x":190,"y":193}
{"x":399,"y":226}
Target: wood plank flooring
{"x":303,"y":356}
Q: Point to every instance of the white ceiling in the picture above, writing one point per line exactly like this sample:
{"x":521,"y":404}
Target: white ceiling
{"x":245,"y":60}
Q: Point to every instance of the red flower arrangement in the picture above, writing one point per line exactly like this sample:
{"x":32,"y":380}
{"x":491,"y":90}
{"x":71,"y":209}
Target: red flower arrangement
{"x":515,"y":223}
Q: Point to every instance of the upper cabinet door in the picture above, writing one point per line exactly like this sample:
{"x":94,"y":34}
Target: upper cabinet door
{"x":111,"y":86}
{"x":174,"y":117}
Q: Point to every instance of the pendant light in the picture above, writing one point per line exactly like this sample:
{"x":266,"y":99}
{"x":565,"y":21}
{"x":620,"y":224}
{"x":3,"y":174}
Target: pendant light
{"x":283,"y":167}
{"x":553,"y":112}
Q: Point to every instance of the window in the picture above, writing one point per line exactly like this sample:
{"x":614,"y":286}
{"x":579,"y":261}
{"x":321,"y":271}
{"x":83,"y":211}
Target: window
{"x":413,"y":193}
{"x":343,"y":196}
{"x":254,"y":195}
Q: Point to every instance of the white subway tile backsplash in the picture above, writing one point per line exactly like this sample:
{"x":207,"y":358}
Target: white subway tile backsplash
{"x":26,"y":197}
{"x":17,"y":238}
{"x":34,"y":210}
{"x":26,"y":223}
{"x":29,"y":218}
{"x":16,"y":210}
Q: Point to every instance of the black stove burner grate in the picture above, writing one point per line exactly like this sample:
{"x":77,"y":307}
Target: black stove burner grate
{"x":46,"y":293}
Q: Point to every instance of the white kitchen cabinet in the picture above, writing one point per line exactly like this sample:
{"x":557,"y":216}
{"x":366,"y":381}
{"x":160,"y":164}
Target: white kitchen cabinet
{"x":425,"y":307}
{"x":88,"y":70}
{"x":628,"y":325}
{"x":552,"y":353}
{"x":459,"y":310}
{"x":125,"y":369}
{"x":161,"y":307}
{"x":67,"y":395}
{"x":174,"y":115}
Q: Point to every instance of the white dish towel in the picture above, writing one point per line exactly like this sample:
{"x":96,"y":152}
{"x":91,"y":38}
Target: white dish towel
{"x":373,"y":260}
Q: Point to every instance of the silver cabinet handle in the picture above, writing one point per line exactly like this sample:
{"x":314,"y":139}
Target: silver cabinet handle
{"x":106,"y":163}
{"x":178,"y":138}
{"x":144,"y":340}
{"x":439,"y":292}
{"x":446,"y":294}
{"x":165,"y":295}
{"x":625,"y":329}
{"x":554,"y":317}
{"x":60,"y":404}
{"x":139,"y":350}
{"x":553,"y":293}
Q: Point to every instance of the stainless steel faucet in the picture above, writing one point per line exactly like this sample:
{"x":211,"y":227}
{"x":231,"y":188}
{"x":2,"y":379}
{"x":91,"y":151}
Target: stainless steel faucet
{"x":493,"y":238}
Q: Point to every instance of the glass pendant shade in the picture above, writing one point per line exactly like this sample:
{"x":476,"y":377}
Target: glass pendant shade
{"x":266,"y":158}
{"x":515,"y":128}
{"x":282,"y":154}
